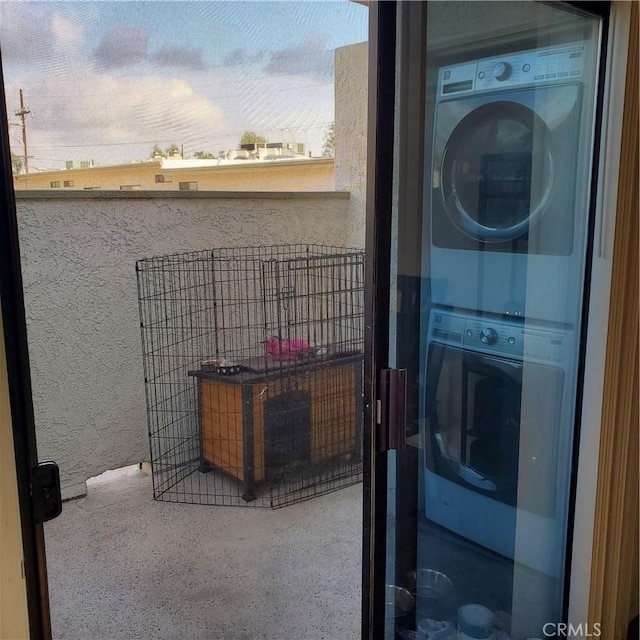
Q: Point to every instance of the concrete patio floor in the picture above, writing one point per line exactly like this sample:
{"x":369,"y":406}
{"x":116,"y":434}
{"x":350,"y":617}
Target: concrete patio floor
{"x":123,"y":566}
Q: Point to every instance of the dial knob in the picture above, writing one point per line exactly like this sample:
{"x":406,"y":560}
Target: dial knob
{"x":502,"y":71}
{"x":488,"y":336}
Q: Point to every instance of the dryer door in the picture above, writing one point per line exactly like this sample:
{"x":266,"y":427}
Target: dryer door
{"x":497,"y":171}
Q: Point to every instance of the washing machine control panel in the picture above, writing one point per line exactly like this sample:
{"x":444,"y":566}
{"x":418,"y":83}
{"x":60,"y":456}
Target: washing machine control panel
{"x":547,"y":65}
{"x":498,"y":337}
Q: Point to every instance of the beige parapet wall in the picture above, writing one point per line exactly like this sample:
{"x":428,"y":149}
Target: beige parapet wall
{"x":310,"y":174}
{"x":79,"y":251}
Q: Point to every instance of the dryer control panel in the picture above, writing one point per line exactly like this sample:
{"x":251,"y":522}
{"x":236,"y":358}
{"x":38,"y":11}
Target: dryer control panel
{"x":548,"y":65}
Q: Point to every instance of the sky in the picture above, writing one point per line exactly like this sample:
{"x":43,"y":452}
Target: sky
{"x":105,"y":80}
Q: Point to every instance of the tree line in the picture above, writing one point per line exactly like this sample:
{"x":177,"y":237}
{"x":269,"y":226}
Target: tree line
{"x":172,"y":149}
{"x":248,"y":137}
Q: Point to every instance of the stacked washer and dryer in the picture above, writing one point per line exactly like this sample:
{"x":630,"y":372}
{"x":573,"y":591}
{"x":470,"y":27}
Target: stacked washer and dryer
{"x":508,"y":201}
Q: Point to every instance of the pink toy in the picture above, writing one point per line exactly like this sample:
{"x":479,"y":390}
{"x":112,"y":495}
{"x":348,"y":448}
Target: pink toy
{"x":286,"y":350}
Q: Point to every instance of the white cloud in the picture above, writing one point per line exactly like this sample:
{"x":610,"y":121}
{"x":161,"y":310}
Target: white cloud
{"x":68,"y":35}
{"x":115,"y":110}
{"x":104,"y":116}
{"x":25,"y":33}
{"x":172,"y":104}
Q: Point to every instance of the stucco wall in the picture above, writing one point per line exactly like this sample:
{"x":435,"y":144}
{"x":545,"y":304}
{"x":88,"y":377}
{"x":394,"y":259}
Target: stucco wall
{"x":78,"y":261}
{"x":351,"y":80}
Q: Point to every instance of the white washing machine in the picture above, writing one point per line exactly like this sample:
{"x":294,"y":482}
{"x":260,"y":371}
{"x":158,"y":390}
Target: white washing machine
{"x":497,"y":434}
{"x":510,"y":173}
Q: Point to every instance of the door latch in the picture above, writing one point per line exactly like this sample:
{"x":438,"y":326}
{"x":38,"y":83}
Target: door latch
{"x":45,"y":491}
{"x":392,"y":409}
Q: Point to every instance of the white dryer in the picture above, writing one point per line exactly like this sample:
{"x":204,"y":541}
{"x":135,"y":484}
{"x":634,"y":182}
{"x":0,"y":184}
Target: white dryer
{"x":510,"y":175}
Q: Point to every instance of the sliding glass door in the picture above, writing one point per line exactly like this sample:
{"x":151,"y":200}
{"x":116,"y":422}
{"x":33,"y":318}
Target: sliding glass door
{"x":489,"y":187}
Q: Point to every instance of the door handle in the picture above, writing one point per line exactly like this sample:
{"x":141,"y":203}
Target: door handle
{"x":45,"y":491}
{"x":392,"y":409}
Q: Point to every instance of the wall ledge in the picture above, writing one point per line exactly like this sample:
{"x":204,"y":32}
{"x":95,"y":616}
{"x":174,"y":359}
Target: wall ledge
{"x":73,"y":491}
{"x":55,"y":194}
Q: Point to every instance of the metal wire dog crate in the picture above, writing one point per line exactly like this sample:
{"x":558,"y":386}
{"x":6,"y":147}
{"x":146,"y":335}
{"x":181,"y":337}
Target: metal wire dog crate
{"x":253,"y":372}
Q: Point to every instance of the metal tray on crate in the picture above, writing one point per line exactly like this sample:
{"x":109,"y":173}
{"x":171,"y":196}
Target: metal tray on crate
{"x":221,"y":368}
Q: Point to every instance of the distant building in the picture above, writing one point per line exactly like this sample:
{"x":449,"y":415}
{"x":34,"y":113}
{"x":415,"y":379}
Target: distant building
{"x":78,"y":164}
{"x":265,"y":169}
{"x":262,"y":150}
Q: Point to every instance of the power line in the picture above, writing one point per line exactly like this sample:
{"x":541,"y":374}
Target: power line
{"x":219,"y":136}
{"x":100,"y":144}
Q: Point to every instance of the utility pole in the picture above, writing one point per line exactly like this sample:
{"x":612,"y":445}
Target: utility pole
{"x":21,"y":114}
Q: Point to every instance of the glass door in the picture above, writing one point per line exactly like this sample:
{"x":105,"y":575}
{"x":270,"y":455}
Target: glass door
{"x":489,"y":185}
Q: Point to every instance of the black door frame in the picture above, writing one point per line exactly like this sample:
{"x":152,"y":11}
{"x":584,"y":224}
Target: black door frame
{"x":381,"y":105}
{"x":385,"y":78}
{"x":17,"y":354}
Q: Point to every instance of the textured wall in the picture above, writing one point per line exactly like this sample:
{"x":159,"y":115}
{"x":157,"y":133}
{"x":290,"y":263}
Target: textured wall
{"x":78,"y":261}
{"x":351,"y":80}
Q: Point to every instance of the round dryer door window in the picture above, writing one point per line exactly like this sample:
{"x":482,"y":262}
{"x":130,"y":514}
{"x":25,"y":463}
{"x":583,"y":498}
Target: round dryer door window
{"x":497,"y":172}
